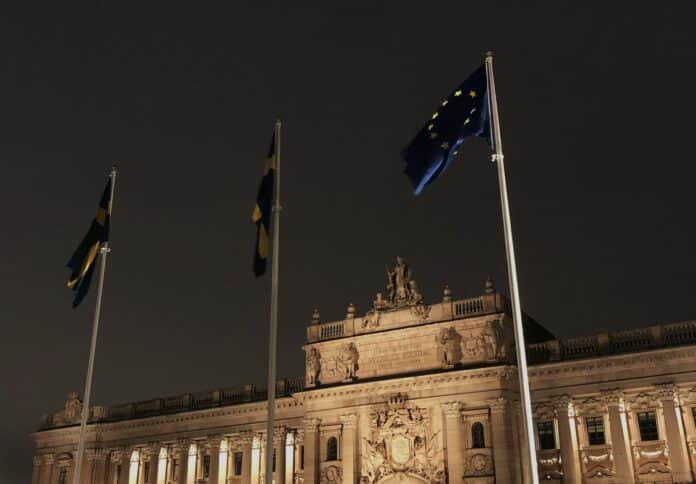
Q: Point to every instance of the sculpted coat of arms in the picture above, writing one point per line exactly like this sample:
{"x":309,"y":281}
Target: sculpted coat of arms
{"x":401,"y":442}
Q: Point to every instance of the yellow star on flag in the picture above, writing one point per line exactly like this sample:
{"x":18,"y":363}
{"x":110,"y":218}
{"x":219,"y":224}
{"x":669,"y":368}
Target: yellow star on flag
{"x":444,"y":145}
{"x":457,"y":93}
{"x":472,"y":94}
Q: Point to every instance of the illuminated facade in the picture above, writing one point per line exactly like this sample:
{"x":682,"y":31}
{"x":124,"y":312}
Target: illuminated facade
{"x":412,"y":392}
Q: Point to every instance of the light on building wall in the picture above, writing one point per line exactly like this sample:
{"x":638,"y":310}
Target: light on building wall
{"x":134,"y":467}
{"x":222,"y":459}
{"x":289,"y":456}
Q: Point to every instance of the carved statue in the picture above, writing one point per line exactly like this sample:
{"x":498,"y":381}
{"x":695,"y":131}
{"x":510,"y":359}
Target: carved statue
{"x":313,"y":366}
{"x":449,"y":342}
{"x":331,"y":475}
{"x":402,"y":290}
{"x":349,"y":361}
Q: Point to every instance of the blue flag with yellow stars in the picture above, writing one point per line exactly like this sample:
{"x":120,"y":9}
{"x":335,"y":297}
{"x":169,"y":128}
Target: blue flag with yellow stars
{"x":262,"y":211}
{"x":83,"y":259}
{"x":464,"y":113}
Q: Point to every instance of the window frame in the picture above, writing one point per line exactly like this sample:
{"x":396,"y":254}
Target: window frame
{"x":591,"y":421}
{"x":238,"y":459}
{"x":549,"y":432}
{"x":475,"y":435}
{"x":336,"y":453}
{"x":653,"y":425}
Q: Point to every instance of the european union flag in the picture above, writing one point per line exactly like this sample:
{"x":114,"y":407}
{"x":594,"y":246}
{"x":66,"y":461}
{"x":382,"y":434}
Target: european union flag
{"x":464,"y":113}
{"x":262,"y":211}
{"x":82,"y":261}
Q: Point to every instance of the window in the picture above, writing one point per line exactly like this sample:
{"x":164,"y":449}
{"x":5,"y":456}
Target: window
{"x":332,"y":449}
{"x":274,"y":458}
{"x":595,"y":430}
{"x":238,"y":463}
{"x":477,"y":439}
{"x":117,"y":477}
{"x":547,"y":438}
{"x":146,"y":472}
{"x":647,"y":424}
{"x":693,"y":413}
{"x":63,"y":475}
{"x":206,"y":466}
{"x":302,"y":457}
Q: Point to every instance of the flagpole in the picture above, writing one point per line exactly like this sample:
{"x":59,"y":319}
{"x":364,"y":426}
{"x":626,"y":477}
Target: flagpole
{"x":520,"y":346}
{"x":104,"y":251}
{"x":274,"y":312}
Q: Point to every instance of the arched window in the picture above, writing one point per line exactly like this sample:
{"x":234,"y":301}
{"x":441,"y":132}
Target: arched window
{"x":478,"y":441}
{"x":332,"y":449}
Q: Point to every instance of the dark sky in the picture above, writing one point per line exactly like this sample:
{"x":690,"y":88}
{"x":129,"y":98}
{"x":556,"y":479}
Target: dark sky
{"x":597,"y":108}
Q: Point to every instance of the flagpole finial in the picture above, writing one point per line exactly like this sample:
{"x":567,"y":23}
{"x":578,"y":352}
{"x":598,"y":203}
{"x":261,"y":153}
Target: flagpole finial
{"x":113,"y":169}
{"x":489,"y":54}
{"x":278,"y":123}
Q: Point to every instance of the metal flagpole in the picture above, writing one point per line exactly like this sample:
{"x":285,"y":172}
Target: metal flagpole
{"x":274,"y":313}
{"x":520,"y":345}
{"x":104,"y":251}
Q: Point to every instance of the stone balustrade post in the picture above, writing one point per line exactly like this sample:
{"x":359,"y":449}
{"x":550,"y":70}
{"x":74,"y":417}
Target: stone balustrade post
{"x":454,"y":440}
{"x":311,"y":454}
{"x":349,"y":444}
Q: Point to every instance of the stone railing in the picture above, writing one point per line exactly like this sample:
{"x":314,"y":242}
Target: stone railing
{"x":462,"y":308}
{"x":616,"y":342}
{"x":183,"y":403}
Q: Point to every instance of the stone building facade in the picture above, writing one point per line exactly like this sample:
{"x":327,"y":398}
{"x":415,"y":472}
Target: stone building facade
{"x":412,"y":392}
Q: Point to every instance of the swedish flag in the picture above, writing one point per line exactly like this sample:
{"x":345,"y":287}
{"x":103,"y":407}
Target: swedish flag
{"x":463,"y":113}
{"x":262,"y":211}
{"x":83,"y":259}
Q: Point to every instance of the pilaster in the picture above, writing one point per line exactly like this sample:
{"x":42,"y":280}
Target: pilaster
{"x":620,"y":436}
{"x":349,"y":448}
{"x":279,"y":449}
{"x":507,"y":467}
{"x":311,"y":467}
{"x":247,"y":440}
{"x":675,"y":435}
{"x":36,"y":469}
{"x":567,"y":435}
{"x":454,"y":439}
{"x":47,"y":468}
{"x":213,"y":448}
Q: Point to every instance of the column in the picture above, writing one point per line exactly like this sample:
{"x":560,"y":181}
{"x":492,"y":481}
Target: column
{"x":46,"y":467}
{"x":567,"y":435}
{"x":311,"y":453}
{"x":299,"y":453}
{"x":289,"y":458}
{"x":689,"y":426}
{"x":95,"y":473}
{"x":348,"y":448}
{"x":152,"y":453}
{"x":36,"y":469}
{"x":247,"y":439}
{"x":279,"y":449}
{"x":507,"y":467}
{"x":676,"y":440}
{"x":214,"y":448}
{"x":454,"y":440}
{"x":620,"y":439}
{"x":188,"y":464}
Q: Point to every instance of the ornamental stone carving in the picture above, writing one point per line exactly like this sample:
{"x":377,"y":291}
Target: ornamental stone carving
{"x":401,"y":442}
{"x":349,"y":361}
{"x":449,"y":344}
{"x":313,"y":367}
{"x":71,"y":413}
{"x":331,"y":474}
{"x":478,"y":463}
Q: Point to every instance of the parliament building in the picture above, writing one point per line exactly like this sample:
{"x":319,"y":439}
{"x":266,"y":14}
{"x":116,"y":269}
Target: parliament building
{"x":411,"y":392}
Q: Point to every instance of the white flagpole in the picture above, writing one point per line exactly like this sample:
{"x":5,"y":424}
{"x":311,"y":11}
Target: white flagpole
{"x":274,"y":313}
{"x":104,"y":251}
{"x":512,"y":277}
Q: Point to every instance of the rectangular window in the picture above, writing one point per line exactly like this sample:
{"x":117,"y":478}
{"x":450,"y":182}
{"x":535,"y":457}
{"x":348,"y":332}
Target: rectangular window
{"x":206,"y":466}
{"x":238,"y":463}
{"x":547,"y":437}
{"x":302,"y":457}
{"x":647,"y":424}
{"x":693,"y":413}
{"x":63,"y":475}
{"x":595,"y":430}
{"x":274,"y":459}
{"x":118,"y":474}
{"x":146,"y":472}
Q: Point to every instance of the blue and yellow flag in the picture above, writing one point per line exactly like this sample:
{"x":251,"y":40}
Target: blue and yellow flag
{"x":83,"y":259}
{"x":262,"y":211}
{"x":463,"y":113}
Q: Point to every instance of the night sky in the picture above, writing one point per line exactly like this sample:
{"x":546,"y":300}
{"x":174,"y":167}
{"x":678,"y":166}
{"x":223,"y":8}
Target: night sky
{"x":597,"y":119}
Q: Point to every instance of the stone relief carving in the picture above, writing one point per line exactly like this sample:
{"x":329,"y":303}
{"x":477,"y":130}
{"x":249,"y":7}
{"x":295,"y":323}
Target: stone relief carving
{"x":449,"y":342}
{"x":401,"y":442}
{"x":478,"y":464}
{"x":332,"y":474}
{"x":349,"y":361}
{"x":313,"y":367}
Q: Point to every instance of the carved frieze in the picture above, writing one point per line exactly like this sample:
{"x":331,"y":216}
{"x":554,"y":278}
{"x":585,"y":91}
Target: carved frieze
{"x":401,"y":441}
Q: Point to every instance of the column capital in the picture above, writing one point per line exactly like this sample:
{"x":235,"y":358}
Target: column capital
{"x":38,"y":460}
{"x":48,"y":459}
{"x":299,"y":436}
{"x":498,"y":404}
{"x":666,"y":391}
{"x":279,"y":434}
{"x":98,"y":455}
{"x":452,"y":409}
{"x":544,"y":410}
{"x":349,"y":421}
{"x":590,"y":405}
{"x":115,"y":455}
{"x":311,"y":424}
